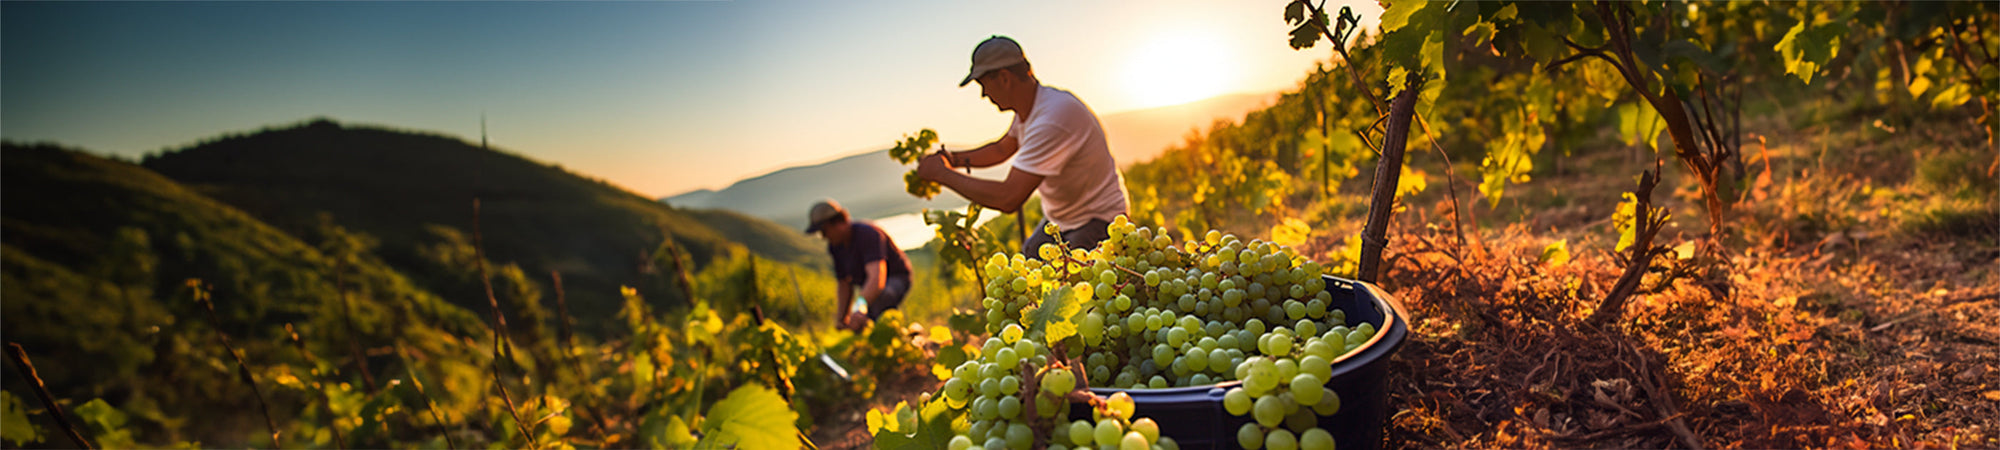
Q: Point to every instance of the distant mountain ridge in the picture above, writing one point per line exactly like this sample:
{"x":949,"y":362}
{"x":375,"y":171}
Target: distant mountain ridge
{"x":870,"y":184}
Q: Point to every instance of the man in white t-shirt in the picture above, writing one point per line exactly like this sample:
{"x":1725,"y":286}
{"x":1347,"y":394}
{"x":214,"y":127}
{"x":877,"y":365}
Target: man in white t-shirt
{"x":1058,"y":149}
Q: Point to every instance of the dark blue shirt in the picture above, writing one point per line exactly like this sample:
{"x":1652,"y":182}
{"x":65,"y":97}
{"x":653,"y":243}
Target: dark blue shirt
{"x":866,"y":244}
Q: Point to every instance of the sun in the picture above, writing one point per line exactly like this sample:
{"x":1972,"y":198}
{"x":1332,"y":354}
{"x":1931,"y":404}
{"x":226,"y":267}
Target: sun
{"x":1178,"y":68}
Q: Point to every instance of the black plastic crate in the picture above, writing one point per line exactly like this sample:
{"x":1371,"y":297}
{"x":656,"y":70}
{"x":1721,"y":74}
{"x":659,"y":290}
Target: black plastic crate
{"x":1195,"y":418}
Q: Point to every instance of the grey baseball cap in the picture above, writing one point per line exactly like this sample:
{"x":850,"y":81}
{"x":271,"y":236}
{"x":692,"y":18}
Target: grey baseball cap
{"x":821,"y":212}
{"x":994,"y":53}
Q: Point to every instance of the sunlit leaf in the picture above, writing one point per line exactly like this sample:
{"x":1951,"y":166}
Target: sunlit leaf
{"x":1057,"y":316}
{"x":1291,"y":232}
{"x":752,"y":416}
{"x":1556,"y":254}
{"x":934,"y":428}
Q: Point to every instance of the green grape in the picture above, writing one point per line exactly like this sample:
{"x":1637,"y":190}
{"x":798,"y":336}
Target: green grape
{"x":1019,"y":436}
{"x":1268,"y":410}
{"x":1329,"y":402}
{"x":1196,"y":359}
{"x":1133,"y":441}
{"x":996,"y":442}
{"x":955,"y":389}
{"x":1250,"y":436}
{"x":1338,"y":333}
{"x":1307,"y":327}
{"x":1010,"y":334}
{"x":993,"y":345}
{"x":1158,"y":382}
{"x":1049,"y":252}
{"x":1106,"y":275}
{"x":1108,"y":432}
{"x":1227,"y":340}
{"x":990,"y":371}
{"x":1232,"y":297}
{"x":989,"y":387}
{"x":959,"y":442}
{"x":1316,"y":308}
{"x":1200,"y":379}
{"x":1153,"y":278}
{"x":1019,"y":285}
{"x":1254,"y":326}
{"x":1317,"y":366}
{"x":1306,"y":388}
{"x":1122,"y":404}
{"x":1294,"y":310}
{"x":1316,"y":439}
{"x":1080,"y":433}
{"x":1058,"y":381}
{"x":1213,"y":237}
{"x":1286,"y":369}
{"x":1281,"y":344}
{"x":1093,"y":325}
{"x":1125,"y":379}
{"x":1010,"y":407}
{"x":987,"y":408}
{"x":1366,"y":328}
{"x":1154,"y":322}
{"x":1026,"y":349}
{"x":1218,"y":360}
{"x":1236,"y":401}
{"x":1301,"y":420}
{"x":1007,"y":358}
{"x":1177,"y":336}
{"x":1009,"y":385}
{"x":1122,"y":303}
{"x":1281,"y":439}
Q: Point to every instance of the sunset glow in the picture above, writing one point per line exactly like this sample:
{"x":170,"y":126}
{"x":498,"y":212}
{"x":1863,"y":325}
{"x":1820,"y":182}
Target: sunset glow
{"x":1180,"y":67}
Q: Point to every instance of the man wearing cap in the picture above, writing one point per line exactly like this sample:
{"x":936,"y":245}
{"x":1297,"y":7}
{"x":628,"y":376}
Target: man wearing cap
{"x":862,"y":255}
{"x":1058,"y":149}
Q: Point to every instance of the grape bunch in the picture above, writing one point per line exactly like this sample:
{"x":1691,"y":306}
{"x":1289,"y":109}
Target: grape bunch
{"x":909,"y":150}
{"x":1154,"y":314}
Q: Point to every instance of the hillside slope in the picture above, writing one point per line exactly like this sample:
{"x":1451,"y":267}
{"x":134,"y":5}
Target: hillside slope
{"x":416,"y":192}
{"x":94,"y":266}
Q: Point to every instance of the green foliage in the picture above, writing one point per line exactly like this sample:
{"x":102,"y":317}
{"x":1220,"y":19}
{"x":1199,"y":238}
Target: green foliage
{"x":753,"y":416}
{"x":105,"y":424}
{"x":1058,"y":314}
{"x":15,"y":427}
{"x":928,"y":428}
{"x":908,"y":151}
{"x":1811,"y":43}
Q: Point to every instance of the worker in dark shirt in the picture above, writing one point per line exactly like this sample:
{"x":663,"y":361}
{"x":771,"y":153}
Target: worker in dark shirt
{"x":863,"y":256}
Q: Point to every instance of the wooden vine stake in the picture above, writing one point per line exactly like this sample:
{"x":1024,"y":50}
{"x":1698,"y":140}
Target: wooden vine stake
{"x":1388,"y":172}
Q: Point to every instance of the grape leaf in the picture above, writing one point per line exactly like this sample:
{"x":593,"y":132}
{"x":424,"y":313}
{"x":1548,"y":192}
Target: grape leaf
{"x":752,"y":416}
{"x":14,"y":424}
{"x":1556,"y":254}
{"x":1057,"y":316}
{"x":1808,"y":46}
{"x":933,"y":430}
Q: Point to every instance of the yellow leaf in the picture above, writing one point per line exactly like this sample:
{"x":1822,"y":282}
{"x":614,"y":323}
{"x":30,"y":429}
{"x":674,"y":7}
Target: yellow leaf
{"x":1291,"y":233}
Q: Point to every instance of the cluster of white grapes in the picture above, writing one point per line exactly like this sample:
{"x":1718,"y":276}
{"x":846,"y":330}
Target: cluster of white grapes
{"x":993,"y":385}
{"x":1159,"y":315}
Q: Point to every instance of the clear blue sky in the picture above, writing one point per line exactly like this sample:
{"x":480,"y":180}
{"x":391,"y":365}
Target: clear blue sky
{"x":659,"y":97}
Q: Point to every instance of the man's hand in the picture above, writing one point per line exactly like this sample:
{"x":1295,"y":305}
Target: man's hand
{"x":855,"y":321}
{"x":934,"y":166}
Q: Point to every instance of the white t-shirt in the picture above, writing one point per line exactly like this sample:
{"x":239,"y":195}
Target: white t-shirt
{"x":1062,"y":141}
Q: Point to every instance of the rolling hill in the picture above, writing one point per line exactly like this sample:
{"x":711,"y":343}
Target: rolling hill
{"x":415,"y":192}
{"x":96,"y":253}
